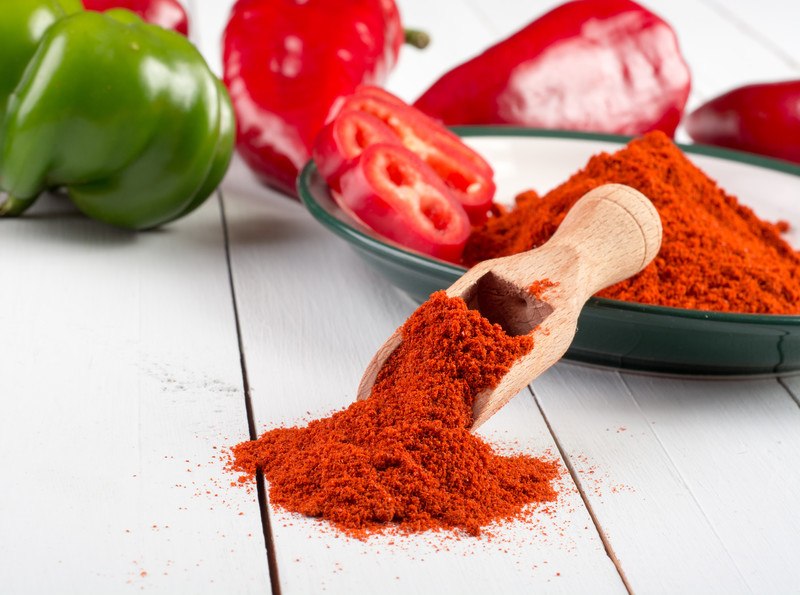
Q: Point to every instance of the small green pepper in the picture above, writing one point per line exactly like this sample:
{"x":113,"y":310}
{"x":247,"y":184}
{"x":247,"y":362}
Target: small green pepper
{"x":125,"y":116}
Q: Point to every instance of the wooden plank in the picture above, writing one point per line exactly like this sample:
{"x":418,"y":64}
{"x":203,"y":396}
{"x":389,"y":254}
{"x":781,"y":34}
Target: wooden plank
{"x":120,"y":381}
{"x":698,"y":475}
{"x":513,"y":16}
{"x":769,"y":24}
{"x":792,"y":384}
{"x":311,"y":316}
{"x":748,"y":476}
{"x":649,"y":518}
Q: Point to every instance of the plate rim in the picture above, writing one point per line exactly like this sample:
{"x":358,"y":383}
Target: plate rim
{"x":402,"y":255}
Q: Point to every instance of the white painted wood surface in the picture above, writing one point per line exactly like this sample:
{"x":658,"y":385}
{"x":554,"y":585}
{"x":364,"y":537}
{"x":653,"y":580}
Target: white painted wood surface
{"x":119,"y":383}
{"x":120,"y":371}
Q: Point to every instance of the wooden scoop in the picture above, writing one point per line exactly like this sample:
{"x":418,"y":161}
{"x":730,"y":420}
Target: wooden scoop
{"x":610,"y":234}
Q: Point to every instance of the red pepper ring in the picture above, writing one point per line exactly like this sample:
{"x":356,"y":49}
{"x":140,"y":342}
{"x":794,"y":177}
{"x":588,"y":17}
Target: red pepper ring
{"x":466,"y":174}
{"x":344,"y":139}
{"x":395,"y":193}
{"x":419,"y":118}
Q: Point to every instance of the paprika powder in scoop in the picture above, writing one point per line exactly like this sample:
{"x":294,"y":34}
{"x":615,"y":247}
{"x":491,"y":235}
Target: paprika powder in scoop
{"x":593,"y":65}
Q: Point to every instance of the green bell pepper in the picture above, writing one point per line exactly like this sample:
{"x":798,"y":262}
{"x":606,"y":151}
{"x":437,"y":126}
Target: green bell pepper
{"x":21,"y":28}
{"x":125,"y":116}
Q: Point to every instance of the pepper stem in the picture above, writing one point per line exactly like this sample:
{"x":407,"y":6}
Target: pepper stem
{"x":418,"y":39}
{"x":14,"y":206}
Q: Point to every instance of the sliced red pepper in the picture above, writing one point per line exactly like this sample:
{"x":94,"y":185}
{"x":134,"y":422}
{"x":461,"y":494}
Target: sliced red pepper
{"x":288,"y":62}
{"x":168,"y":14}
{"x":344,"y":139}
{"x":463,"y":170}
{"x":594,"y":65}
{"x":395,"y":193}
{"x":762,"y":118}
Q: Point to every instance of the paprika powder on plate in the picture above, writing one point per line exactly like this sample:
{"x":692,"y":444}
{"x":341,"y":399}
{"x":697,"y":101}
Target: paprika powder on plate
{"x":405,"y":457}
{"x":716,"y":254}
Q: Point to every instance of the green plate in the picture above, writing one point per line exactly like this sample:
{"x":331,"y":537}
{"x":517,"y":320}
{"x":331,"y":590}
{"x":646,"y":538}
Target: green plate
{"x":610,"y":332}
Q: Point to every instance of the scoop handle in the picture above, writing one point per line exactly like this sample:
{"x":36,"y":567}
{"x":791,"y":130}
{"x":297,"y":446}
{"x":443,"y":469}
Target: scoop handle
{"x":611,"y":233}
{"x":615,"y":231}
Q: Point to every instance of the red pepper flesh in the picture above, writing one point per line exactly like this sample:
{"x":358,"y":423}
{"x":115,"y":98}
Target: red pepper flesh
{"x":344,"y":139}
{"x":593,"y":65}
{"x":468,"y":176}
{"x":286,"y":63}
{"x":168,"y":14}
{"x":393,"y":192}
{"x":762,"y":118}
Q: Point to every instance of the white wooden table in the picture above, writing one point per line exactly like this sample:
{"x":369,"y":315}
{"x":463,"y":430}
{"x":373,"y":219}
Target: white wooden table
{"x":129,"y":362}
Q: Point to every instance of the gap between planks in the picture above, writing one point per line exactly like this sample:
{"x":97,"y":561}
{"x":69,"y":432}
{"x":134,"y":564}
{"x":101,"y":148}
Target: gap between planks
{"x":791,"y":389}
{"x":786,"y":382}
{"x":577,"y":481}
{"x":683,"y":480}
{"x":747,"y":30}
{"x":261,"y":491}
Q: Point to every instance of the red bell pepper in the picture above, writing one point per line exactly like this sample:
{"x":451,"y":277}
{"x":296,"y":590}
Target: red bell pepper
{"x":395,"y":193}
{"x":594,"y":65}
{"x":168,"y":14}
{"x":466,"y":174}
{"x":286,"y":63}
{"x":762,"y":118}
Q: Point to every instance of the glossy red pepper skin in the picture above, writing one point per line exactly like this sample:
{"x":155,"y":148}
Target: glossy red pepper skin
{"x":168,"y":14}
{"x":762,"y":118}
{"x":286,"y":63}
{"x":466,"y":174}
{"x":593,"y":65}
{"x":395,"y":193}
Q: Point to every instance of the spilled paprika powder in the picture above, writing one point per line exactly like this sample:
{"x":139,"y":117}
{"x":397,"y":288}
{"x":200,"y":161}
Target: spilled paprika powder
{"x":405,"y":457}
{"x":716,"y":254}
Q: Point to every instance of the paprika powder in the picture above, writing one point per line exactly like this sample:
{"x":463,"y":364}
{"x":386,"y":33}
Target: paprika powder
{"x":716,"y":254}
{"x":405,"y":457}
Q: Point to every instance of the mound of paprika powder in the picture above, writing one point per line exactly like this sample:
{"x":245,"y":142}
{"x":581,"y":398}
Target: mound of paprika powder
{"x":405,"y":457}
{"x":716,"y":254}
